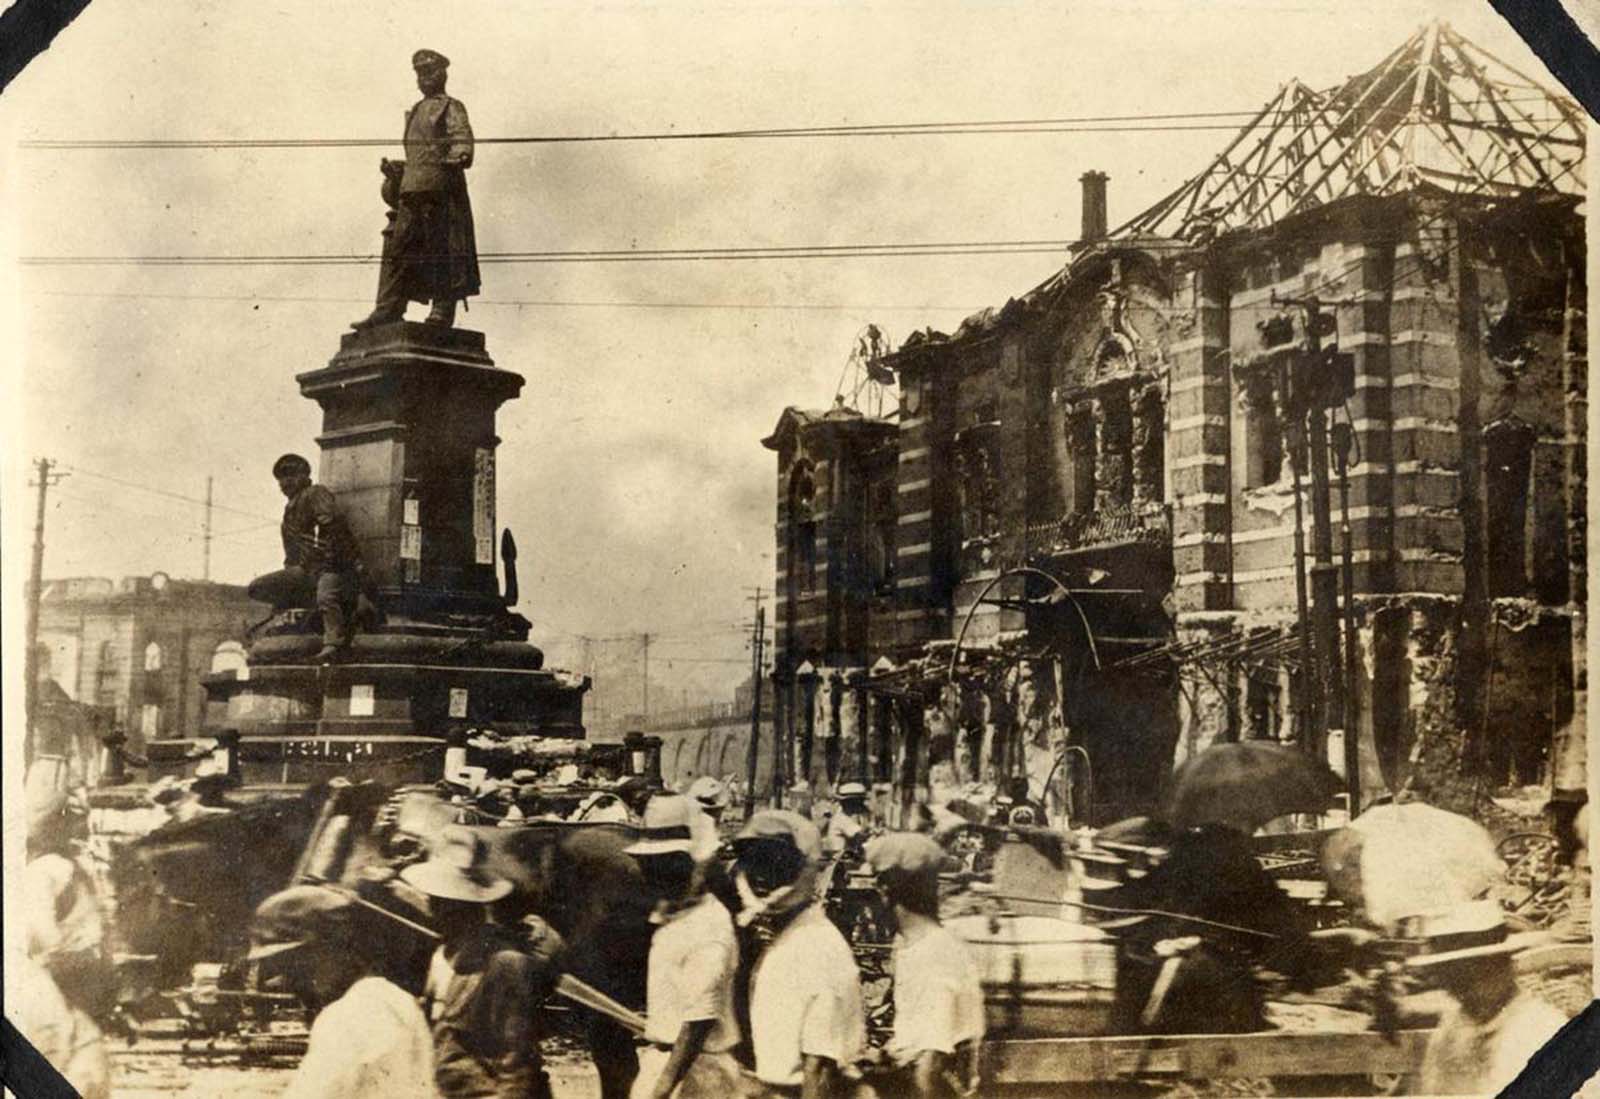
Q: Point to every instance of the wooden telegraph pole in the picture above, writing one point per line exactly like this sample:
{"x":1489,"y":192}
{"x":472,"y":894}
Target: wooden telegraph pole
{"x":1315,"y":380}
{"x":756,"y":664}
{"x":44,"y":479}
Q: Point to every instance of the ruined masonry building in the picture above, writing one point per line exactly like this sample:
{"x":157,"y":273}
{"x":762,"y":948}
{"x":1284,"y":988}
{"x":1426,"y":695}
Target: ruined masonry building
{"x":1078,"y":529}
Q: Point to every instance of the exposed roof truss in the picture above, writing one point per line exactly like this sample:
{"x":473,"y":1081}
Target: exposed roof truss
{"x":1437,"y":111}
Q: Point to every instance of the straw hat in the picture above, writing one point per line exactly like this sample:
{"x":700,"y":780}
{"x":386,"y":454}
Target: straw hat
{"x":456,"y":870}
{"x":668,"y":827}
{"x":1474,"y":930}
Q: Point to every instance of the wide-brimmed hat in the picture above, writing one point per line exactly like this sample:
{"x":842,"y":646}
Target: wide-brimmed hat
{"x":300,"y":916}
{"x":1474,"y":930}
{"x":852,"y":790}
{"x":667,"y":828}
{"x":783,"y":825}
{"x":457,"y":870}
{"x":709,"y":792}
{"x":429,"y":59}
{"x":909,"y":853}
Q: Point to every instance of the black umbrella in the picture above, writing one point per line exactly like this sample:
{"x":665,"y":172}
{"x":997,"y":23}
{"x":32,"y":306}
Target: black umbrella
{"x":1247,"y":784}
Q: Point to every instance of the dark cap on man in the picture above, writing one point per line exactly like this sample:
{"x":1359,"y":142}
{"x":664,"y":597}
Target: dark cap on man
{"x":289,"y":464}
{"x":428,"y":59}
{"x":300,"y":916}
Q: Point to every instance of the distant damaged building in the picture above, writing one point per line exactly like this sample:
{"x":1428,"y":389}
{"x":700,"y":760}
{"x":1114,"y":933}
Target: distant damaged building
{"x":1070,"y":555}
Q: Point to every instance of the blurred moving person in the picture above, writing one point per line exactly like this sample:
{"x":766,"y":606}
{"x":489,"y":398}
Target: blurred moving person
{"x":689,"y":1017}
{"x":369,"y":1039}
{"x":938,"y":1001}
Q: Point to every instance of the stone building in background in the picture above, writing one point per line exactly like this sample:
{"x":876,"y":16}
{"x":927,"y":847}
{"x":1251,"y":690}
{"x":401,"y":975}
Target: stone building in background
{"x":1070,"y":555}
{"x":137,"y":647}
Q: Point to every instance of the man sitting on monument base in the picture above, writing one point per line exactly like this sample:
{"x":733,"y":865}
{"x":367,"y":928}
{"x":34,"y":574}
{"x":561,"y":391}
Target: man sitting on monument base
{"x":321,"y":566}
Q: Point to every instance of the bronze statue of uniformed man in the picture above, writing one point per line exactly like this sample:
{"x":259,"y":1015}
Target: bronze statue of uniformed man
{"x":429,"y":250}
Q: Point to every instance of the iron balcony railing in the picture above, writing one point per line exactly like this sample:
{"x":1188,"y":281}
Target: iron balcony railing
{"x":1148,"y":524}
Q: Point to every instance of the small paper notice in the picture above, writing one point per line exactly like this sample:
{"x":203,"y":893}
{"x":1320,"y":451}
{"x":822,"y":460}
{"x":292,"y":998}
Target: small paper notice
{"x":411,"y":511}
{"x":361,"y":700}
{"x":410,"y":543}
{"x":458,"y":702}
{"x":485,"y":555}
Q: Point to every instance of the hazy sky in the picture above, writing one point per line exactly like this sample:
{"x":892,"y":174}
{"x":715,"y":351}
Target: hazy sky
{"x":631,"y":469}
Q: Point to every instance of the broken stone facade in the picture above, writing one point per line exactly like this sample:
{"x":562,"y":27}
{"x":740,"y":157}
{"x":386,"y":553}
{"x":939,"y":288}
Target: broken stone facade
{"x":1108,"y":433}
{"x":1094,"y":513}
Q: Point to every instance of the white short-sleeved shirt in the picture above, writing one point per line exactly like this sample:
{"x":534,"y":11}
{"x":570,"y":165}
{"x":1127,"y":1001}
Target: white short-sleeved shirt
{"x":693,"y":957}
{"x":842,"y":828}
{"x":805,"y":999}
{"x":370,"y":1043}
{"x":1465,"y":1057}
{"x":938,"y":1002}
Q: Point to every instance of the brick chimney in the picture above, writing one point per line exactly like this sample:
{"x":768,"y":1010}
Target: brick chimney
{"x":1094,"y":205}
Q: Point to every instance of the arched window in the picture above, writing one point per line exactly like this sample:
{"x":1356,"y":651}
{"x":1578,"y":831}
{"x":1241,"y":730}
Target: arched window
{"x":227,"y":657}
{"x":152,"y":657}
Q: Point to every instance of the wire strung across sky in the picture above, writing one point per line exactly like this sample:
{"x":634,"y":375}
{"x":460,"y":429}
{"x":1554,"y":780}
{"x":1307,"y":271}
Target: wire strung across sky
{"x":140,"y":295}
{"x":1171,"y":122}
{"x":610,"y":255}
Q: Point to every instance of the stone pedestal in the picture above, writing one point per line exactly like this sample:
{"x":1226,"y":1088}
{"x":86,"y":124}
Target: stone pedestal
{"x":408,"y":448}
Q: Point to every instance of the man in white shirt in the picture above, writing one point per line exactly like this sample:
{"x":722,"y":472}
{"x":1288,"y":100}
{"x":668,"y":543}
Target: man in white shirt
{"x":690,"y":1024}
{"x":807,"y":1025}
{"x":1487,"y":1038}
{"x":938,"y":1001}
{"x":369,"y":1039}
{"x":848,"y":821}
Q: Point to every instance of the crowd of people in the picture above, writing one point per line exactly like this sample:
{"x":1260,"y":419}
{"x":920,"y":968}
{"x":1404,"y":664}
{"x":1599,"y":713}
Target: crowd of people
{"x":750,"y":989}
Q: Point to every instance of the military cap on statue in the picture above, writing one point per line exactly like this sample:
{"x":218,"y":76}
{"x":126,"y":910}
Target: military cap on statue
{"x":428,"y":59}
{"x":290,"y":463}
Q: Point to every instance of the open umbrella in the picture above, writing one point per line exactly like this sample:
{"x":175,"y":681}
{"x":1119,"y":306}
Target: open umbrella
{"x":1247,"y":784}
{"x":1415,"y":858}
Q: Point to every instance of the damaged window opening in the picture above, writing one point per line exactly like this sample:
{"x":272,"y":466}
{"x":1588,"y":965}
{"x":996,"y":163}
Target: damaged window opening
{"x":1263,"y":699}
{"x":1508,"y":461}
{"x":1081,"y":445}
{"x":1263,"y":433}
{"x":806,"y":537}
{"x":1150,"y":449}
{"x":881,"y":527}
{"x":1114,"y":487}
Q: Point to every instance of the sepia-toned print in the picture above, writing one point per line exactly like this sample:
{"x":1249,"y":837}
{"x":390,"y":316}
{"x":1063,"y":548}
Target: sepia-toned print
{"x":937,"y":550}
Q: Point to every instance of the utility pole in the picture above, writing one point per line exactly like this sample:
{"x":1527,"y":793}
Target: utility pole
{"x":45,"y":478}
{"x":205,"y":568}
{"x":1344,"y":448}
{"x":1315,"y":380}
{"x":756,"y":664}
{"x":646,"y":640}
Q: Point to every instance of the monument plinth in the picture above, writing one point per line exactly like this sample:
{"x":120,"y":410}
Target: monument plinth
{"x":408,"y":446}
{"x":408,"y":450}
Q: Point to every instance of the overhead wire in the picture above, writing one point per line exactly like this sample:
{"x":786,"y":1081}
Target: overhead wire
{"x":1116,"y":123}
{"x":623,"y":255}
{"x":138,"y":295}
{"x":154,"y":491}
